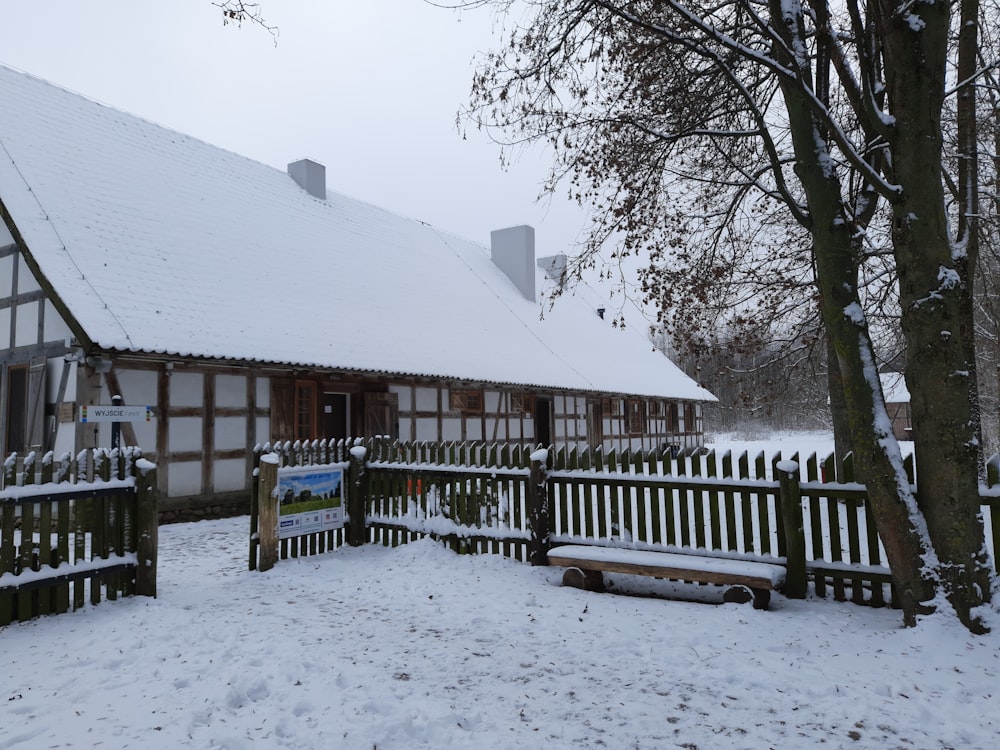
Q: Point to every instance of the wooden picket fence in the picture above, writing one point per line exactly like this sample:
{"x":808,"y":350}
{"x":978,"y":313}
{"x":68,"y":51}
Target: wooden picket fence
{"x":75,"y":531}
{"x":479,"y":498}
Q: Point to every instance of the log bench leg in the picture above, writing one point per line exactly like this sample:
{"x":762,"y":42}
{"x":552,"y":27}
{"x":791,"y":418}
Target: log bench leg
{"x":588,"y":580}
{"x":744,"y":594}
{"x":737,"y":595}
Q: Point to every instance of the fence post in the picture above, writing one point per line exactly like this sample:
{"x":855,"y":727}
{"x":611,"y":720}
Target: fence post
{"x":267,"y":529}
{"x":357,"y":497}
{"x":795,"y":540}
{"x":254,"y":508}
{"x":538,"y":508}
{"x":147,"y":521}
{"x":10,"y":471}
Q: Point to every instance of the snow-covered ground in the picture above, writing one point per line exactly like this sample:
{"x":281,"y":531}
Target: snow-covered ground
{"x":418,"y":647}
{"x":803,"y":443}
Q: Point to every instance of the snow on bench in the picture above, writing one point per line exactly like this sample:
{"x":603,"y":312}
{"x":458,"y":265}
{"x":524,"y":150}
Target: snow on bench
{"x":587,"y":564}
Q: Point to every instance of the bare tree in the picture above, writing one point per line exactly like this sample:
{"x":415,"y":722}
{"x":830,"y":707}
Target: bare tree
{"x":663,"y":114}
{"x":239,"y":12}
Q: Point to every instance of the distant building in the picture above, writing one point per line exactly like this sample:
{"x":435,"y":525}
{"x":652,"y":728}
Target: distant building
{"x":244,"y":304}
{"x":897,"y":403}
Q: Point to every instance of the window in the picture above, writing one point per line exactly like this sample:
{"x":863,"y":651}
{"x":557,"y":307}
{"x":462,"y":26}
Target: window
{"x":382,"y":415}
{"x":522,"y":403}
{"x":689,"y":418}
{"x":635,"y":413}
{"x":673,"y":418}
{"x":595,"y":421}
{"x":305,"y":410}
{"x":467,"y":401}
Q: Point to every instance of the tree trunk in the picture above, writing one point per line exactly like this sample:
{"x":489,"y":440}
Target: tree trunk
{"x":877,"y":454}
{"x":838,"y":408}
{"x":936,"y":320}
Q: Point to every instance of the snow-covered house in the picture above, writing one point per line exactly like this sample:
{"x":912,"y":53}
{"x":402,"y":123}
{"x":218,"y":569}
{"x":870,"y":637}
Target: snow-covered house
{"x":897,"y":403}
{"x":244,"y":304}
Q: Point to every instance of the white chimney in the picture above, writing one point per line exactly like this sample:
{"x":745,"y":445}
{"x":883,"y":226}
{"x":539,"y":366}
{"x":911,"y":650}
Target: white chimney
{"x":310,"y":176}
{"x":513,"y":252}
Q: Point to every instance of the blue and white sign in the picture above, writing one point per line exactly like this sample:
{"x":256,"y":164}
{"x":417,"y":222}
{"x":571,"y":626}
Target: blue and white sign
{"x":112,"y":413}
{"x":310,"y":499}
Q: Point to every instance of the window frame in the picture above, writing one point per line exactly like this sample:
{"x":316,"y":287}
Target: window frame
{"x":466,"y":400}
{"x":636,"y":417}
{"x":304,"y":410}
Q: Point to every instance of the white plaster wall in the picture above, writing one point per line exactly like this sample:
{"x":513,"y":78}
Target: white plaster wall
{"x":138,"y":386}
{"x":262,"y":430}
{"x":230,"y":390}
{"x":138,"y":389}
{"x":529,"y":429}
{"x":6,"y":269}
{"x":184,"y":478}
{"x":26,"y":328}
{"x":26,"y":279}
{"x":53,"y":372}
{"x":559,"y":403}
{"x":145,"y":435}
{"x":185,"y":434}
{"x":54,"y":328}
{"x":186,"y":389}
{"x":230,"y":474}
{"x":405,"y":434}
{"x":427,"y":401}
{"x":264,"y":393}
{"x":230,"y":433}
{"x":426,"y":429}
{"x":451,"y":429}
{"x":473,"y":430}
{"x":403,"y":394}
{"x":4,"y":326}
{"x":491,"y":400}
{"x":65,"y":440}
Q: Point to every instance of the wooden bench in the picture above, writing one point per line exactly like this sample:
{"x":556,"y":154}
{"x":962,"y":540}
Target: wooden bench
{"x":587,"y":564}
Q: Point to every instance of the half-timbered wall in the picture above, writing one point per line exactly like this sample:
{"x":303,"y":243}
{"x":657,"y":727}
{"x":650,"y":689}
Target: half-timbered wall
{"x":466,"y":413}
{"x":206,"y":421}
{"x":207,"y":417}
{"x":34,"y":340}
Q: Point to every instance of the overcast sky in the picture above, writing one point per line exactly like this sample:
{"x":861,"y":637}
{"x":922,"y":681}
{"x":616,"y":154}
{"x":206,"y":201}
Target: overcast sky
{"x":370,"y":89}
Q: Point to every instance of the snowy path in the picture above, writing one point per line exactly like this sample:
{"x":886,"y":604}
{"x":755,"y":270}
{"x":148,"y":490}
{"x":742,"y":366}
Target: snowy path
{"x":417,"y":647}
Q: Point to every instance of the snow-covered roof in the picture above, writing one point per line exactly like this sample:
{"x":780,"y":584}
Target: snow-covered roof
{"x":158,"y":242}
{"x":894,"y":388}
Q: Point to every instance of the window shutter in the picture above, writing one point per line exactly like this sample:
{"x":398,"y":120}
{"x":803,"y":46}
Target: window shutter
{"x":35,"y":429}
{"x":467,"y":401}
{"x":382,"y":414}
{"x":282,"y":408}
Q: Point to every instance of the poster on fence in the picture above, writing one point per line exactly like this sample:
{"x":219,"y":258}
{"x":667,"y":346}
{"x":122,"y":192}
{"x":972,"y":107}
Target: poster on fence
{"x":310,"y":499}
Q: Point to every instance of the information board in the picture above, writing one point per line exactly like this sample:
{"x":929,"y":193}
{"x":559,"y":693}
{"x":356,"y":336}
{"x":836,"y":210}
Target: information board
{"x":310,"y":499}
